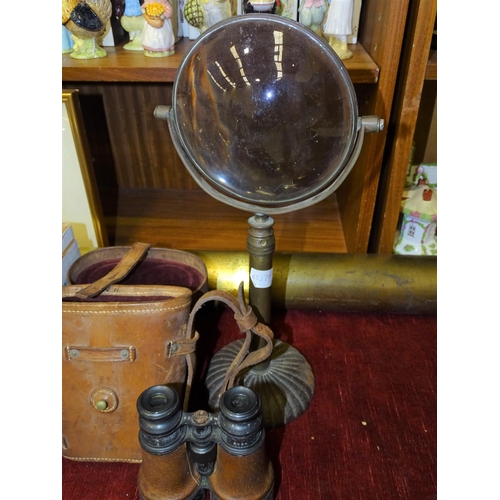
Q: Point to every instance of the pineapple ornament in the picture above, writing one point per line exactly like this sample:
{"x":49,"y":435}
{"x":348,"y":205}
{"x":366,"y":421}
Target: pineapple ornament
{"x":193,"y":13}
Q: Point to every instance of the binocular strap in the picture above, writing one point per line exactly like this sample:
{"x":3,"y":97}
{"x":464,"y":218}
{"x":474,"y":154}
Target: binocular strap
{"x":247,"y":322}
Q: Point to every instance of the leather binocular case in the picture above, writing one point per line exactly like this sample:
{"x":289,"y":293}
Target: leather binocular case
{"x":186,"y":454}
{"x":122,"y":332}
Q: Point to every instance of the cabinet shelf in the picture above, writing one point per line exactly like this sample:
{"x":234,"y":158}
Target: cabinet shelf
{"x":192,"y":220}
{"x":122,"y":65}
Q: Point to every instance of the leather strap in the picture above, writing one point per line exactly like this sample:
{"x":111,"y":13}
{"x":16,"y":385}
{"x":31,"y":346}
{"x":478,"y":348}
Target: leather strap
{"x":248,"y":323}
{"x":119,"y":272}
{"x":85,"y":353}
{"x":180,"y":347}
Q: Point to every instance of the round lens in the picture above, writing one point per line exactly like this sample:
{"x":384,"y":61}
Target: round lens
{"x":265,"y":110}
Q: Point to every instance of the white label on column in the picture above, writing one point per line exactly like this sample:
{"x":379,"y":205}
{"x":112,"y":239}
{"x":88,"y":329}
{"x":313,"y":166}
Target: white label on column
{"x":261,"y":279}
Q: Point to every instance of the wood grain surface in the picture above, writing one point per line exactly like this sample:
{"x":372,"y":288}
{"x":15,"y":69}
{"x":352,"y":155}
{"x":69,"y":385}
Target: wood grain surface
{"x":122,"y":65}
{"x":192,"y":220}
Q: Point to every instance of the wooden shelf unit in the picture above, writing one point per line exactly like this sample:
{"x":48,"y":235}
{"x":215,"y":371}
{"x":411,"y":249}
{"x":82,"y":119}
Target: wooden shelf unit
{"x":134,"y":158}
{"x":418,"y":63}
{"x":122,"y":65}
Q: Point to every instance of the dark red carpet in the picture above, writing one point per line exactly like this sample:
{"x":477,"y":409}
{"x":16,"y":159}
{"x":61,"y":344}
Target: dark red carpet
{"x":370,"y":430}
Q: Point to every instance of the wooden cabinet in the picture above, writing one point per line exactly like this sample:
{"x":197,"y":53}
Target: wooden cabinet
{"x":418,"y":65}
{"x":148,"y":195}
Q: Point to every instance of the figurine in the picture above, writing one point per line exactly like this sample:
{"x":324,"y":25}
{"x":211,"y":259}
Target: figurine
{"x":286,"y":8}
{"x":67,"y":42}
{"x":312,"y":13}
{"x":86,"y":20}
{"x":132,"y":21}
{"x":266,"y":6}
{"x":215,"y":11}
{"x":418,"y":235}
{"x":157,"y":36}
{"x":338,"y":25}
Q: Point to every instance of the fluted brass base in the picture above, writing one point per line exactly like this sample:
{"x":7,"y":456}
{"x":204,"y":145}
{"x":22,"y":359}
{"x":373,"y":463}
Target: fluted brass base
{"x":285,"y":385}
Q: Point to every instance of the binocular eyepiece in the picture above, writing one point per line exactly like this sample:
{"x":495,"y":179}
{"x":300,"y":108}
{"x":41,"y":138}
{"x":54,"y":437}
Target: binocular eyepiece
{"x":186,"y":454}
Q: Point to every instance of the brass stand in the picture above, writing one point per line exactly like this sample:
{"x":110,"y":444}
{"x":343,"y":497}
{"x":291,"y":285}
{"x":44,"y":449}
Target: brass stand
{"x":261,"y":245}
{"x":285,"y":381}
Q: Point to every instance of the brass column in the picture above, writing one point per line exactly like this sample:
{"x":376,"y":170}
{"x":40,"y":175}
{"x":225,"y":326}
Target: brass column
{"x":261,"y":245}
{"x":285,"y":381}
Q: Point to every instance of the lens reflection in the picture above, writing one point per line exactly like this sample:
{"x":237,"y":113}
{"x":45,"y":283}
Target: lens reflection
{"x":265,"y":110}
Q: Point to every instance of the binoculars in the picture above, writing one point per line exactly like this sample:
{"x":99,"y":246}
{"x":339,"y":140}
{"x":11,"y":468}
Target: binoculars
{"x":184,"y":455}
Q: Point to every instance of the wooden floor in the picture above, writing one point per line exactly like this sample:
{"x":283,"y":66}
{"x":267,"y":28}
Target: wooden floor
{"x":192,"y":220}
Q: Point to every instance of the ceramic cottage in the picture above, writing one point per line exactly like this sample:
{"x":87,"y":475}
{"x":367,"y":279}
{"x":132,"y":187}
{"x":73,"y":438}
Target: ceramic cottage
{"x":418,"y":234}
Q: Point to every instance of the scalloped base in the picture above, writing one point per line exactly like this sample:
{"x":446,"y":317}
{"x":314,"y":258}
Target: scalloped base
{"x":159,"y":53}
{"x":285,"y":386}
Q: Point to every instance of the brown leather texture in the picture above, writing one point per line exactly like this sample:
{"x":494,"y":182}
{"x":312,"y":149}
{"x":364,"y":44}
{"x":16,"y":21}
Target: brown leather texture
{"x":248,"y":323}
{"x":97,"y":329}
{"x":119,"y":339}
{"x":78,"y":352}
{"x":170,"y":476}
{"x":156,"y":266}
{"x":125,"y":266}
{"x":166,"y":476}
{"x":248,"y":477}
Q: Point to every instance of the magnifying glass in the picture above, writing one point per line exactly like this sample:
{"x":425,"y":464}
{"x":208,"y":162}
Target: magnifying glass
{"x":265,"y":118}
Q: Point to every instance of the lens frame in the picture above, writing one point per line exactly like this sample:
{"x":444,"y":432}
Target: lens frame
{"x":228,"y":196}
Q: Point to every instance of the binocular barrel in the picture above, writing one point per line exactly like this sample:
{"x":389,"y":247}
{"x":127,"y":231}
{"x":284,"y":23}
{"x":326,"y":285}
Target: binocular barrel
{"x":240,"y":421}
{"x":186,"y":453}
{"x":164,"y":472}
{"x":159,"y":418}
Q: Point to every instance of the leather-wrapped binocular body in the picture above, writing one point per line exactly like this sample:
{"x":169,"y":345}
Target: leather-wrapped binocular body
{"x":185,"y":454}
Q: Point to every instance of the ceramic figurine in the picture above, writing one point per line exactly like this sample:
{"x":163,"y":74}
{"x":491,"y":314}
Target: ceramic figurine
{"x":426,"y":171}
{"x":418,"y":235}
{"x":87,"y":21}
{"x":312,"y":13}
{"x":157,"y":36}
{"x":267,"y":6}
{"x":214,"y":12}
{"x":67,"y":42}
{"x":132,"y":21}
{"x":287,"y":8}
{"x":338,"y":25}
